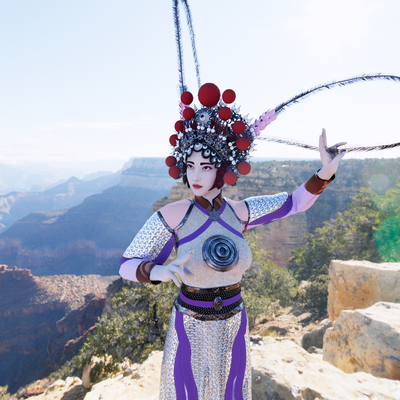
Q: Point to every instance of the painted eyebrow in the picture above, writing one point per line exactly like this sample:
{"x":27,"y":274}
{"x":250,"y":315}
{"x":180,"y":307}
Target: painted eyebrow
{"x":203,"y":163}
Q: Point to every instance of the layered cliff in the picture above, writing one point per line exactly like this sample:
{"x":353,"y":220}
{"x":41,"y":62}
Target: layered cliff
{"x":91,"y":237}
{"x":44,"y":320}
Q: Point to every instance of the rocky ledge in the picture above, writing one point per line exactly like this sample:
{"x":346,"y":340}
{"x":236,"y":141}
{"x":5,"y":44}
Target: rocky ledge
{"x":44,"y":320}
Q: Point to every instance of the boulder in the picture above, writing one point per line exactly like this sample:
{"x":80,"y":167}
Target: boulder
{"x":315,"y":337}
{"x":143,"y":383}
{"x":366,"y":340}
{"x":360,"y":284}
{"x":282,"y":370}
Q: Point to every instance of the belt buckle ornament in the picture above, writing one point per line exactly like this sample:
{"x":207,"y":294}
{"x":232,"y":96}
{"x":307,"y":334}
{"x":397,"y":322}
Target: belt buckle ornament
{"x":218,"y":303}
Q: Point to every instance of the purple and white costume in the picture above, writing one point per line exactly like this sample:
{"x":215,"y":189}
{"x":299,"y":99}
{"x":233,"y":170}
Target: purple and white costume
{"x":206,"y":353}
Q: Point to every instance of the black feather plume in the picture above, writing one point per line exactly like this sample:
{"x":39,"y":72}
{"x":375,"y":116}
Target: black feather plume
{"x":178,"y":39}
{"x":330,"y":85}
{"x":290,"y":142}
{"x":192,"y":39}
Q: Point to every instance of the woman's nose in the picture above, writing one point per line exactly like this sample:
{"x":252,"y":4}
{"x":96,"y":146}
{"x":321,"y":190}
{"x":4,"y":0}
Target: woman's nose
{"x":196,"y":175}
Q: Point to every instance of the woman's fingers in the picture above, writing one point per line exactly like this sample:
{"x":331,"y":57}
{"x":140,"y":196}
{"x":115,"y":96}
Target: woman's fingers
{"x":182,"y":259}
{"x":174,"y":278}
{"x":188,"y":272}
{"x":324,"y":138}
{"x":340,"y":144}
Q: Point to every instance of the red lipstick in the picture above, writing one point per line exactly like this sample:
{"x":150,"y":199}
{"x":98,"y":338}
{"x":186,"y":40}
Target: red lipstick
{"x":197,"y":186}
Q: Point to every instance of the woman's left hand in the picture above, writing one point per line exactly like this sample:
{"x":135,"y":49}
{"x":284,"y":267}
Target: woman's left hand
{"x":330,"y":161}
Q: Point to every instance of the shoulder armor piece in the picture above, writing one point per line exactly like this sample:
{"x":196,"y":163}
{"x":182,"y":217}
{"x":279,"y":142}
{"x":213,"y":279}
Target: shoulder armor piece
{"x":151,"y":239}
{"x":259,"y":206}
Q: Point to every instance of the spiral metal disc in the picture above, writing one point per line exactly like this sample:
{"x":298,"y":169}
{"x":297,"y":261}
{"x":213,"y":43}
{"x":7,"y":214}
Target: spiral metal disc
{"x":220,"y":253}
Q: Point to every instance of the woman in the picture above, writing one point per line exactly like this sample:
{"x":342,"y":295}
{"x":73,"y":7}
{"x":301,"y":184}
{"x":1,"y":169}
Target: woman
{"x":206,"y":354}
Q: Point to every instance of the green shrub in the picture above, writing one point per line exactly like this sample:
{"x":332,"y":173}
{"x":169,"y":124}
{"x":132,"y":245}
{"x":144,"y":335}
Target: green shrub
{"x":315,"y":296}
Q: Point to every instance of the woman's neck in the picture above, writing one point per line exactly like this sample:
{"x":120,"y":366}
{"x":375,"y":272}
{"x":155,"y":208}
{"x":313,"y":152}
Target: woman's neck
{"x":211,"y":195}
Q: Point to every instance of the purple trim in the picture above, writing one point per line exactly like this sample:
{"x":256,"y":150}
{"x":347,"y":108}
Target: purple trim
{"x":209,"y":304}
{"x":165,"y":252}
{"x":195,"y":234}
{"x":280,"y":213}
{"x":205,"y":226}
{"x":123,"y":259}
{"x":229,"y":228}
{"x":300,"y":200}
{"x":185,"y":385}
{"x":234,"y":385}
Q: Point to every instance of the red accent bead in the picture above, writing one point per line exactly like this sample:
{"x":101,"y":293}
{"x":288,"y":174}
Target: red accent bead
{"x":179,"y":126}
{"x":186,"y":98}
{"x":229,"y":96}
{"x":170,"y":161}
{"x":238,"y":127}
{"x":224,"y":113}
{"x":188,"y":113}
{"x":173,"y":139}
{"x":244,"y":168}
{"x":243,"y":143}
{"x":174,"y":172}
{"x":230,"y":178}
{"x":209,"y":95}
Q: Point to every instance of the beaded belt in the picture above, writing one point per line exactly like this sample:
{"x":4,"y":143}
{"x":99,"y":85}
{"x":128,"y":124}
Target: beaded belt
{"x":210,"y":303}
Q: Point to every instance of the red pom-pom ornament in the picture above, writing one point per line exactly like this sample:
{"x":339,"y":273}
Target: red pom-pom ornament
{"x":243,"y":143}
{"x":230,"y":178}
{"x":173,"y":139}
{"x":188,"y":113}
{"x":238,"y":127}
{"x":209,"y":95}
{"x":186,"y":98}
{"x":179,"y":126}
{"x":244,"y":168}
{"x":229,"y":96}
{"x":174,"y":172}
{"x":170,"y":161}
{"x":224,"y":113}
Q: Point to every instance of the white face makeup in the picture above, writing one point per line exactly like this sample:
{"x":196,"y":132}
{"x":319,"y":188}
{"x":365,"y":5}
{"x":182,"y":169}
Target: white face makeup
{"x":201,"y":174}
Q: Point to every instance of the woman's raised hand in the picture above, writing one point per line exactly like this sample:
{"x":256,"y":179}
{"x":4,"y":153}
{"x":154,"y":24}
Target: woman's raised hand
{"x":164,"y":273}
{"x":330,"y":161}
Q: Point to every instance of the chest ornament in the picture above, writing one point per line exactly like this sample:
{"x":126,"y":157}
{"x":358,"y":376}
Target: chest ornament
{"x":220,"y":253}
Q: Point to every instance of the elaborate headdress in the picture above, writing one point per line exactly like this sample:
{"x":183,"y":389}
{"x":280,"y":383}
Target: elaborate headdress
{"x":219,"y":131}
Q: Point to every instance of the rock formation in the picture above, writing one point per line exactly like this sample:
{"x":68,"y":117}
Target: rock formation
{"x":366,"y":340}
{"x":282,"y":370}
{"x":44,"y":321}
{"x":315,"y":337}
{"x":360,"y":284}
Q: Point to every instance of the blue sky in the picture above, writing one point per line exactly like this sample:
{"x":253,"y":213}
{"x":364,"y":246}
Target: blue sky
{"x":95,"y":82}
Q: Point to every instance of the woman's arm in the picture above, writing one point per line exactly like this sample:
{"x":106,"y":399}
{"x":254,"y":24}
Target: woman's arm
{"x":260,"y":210}
{"x":152,"y":246}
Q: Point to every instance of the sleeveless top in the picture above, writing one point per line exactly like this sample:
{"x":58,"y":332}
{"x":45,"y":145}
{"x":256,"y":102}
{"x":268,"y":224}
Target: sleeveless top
{"x":202,"y":225}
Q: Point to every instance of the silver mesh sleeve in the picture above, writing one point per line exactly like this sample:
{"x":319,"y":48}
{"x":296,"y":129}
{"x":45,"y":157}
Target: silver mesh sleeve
{"x":259,"y":206}
{"x":151,"y":239}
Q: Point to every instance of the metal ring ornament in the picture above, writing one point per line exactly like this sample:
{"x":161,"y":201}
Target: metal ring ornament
{"x":220,"y":253}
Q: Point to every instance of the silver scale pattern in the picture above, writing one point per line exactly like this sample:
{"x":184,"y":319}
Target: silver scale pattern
{"x":167,"y":385}
{"x":262,"y":205}
{"x":150,"y":240}
{"x":211,"y":349}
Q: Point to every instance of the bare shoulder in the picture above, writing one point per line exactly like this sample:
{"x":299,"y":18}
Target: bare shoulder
{"x":240,"y":208}
{"x":173,"y":213}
